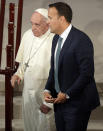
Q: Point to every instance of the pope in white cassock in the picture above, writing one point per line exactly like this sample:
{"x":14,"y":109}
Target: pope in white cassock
{"x":34,"y":62}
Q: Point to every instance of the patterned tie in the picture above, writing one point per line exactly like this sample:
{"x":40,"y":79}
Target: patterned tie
{"x":56,"y":65}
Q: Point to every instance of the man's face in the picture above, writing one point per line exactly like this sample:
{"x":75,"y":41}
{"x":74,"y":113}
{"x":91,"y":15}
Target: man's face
{"x":39,"y":26}
{"x":53,"y":20}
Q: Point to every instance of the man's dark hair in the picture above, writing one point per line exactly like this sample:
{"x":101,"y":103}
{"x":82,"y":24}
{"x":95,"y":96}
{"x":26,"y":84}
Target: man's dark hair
{"x":63,"y":10}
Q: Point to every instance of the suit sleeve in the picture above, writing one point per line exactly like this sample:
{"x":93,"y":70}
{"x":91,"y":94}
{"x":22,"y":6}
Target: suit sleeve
{"x":20,"y":71}
{"x":85,"y":62}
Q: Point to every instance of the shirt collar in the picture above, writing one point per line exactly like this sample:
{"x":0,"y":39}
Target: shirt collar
{"x":66,"y":32}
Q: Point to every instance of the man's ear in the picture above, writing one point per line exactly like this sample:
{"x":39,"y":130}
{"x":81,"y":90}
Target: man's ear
{"x":62,"y":19}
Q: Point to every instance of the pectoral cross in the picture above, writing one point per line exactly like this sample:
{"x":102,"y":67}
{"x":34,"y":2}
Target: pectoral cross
{"x":26,"y":65}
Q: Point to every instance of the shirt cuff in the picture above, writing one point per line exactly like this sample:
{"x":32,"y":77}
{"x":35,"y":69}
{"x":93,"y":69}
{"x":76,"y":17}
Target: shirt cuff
{"x":47,"y":91}
{"x":50,"y":105}
{"x":67,"y":96}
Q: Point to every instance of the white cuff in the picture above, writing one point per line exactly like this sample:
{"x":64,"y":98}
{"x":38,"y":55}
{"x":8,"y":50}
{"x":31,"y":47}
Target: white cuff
{"x":47,"y":91}
{"x":67,"y":96}
{"x":50,"y":105}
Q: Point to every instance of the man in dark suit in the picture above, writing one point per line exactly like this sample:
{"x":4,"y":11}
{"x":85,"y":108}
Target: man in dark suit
{"x":70,"y":85}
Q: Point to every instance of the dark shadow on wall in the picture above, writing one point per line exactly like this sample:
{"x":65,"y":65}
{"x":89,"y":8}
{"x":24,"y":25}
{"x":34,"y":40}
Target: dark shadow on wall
{"x":95,"y":29}
{"x":101,"y":4}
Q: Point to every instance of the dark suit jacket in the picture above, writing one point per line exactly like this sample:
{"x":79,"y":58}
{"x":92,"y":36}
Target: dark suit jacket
{"x":75,"y":71}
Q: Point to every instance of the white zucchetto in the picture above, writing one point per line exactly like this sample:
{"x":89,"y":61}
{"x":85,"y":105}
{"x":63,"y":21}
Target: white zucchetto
{"x":42,"y":11}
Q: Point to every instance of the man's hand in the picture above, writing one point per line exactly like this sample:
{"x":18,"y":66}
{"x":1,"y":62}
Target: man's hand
{"x":48,"y":98}
{"x":61,"y":98}
{"x":14,"y":79}
{"x":44,"y":109}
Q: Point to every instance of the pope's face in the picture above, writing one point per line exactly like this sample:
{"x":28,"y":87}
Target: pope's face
{"x":38,"y":25}
{"x":53,"y":20}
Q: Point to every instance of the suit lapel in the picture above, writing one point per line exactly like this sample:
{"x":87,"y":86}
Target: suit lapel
{"x":54,"y":44}
{"x":66,"y":46}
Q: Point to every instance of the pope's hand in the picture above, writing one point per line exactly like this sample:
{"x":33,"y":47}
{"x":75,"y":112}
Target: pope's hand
{"x":14,"y":79}
{"x":44,"y":109}
{"x":48,"y":98}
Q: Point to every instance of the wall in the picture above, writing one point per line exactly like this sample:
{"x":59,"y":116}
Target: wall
{"x":87,"y":16}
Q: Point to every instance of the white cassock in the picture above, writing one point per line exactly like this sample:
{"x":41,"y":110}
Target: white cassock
{"x":35,"y":52}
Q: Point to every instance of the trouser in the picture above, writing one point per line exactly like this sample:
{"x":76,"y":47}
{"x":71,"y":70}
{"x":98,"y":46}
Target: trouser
{"x":69,"y":121}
